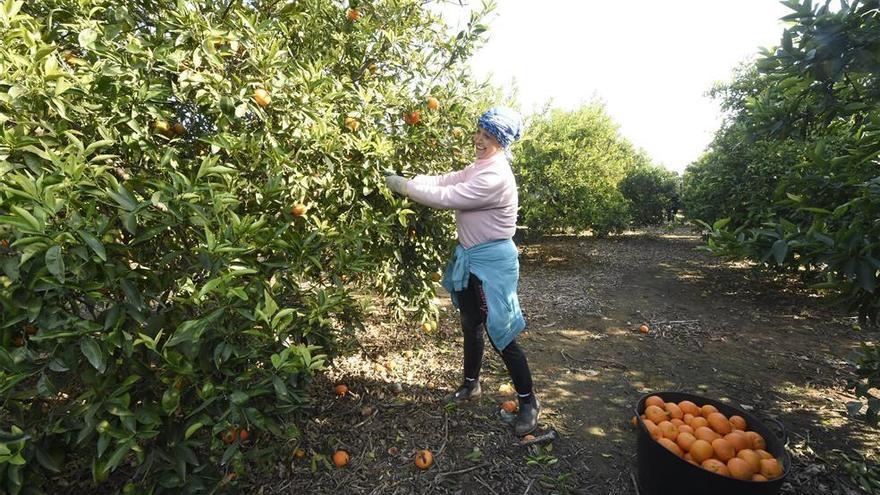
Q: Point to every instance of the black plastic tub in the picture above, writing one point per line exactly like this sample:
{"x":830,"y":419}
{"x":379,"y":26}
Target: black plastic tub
{"x":663,"y":473}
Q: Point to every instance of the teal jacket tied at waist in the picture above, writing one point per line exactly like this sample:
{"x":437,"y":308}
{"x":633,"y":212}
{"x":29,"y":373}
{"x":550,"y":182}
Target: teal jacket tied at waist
{"x":496,"y":264}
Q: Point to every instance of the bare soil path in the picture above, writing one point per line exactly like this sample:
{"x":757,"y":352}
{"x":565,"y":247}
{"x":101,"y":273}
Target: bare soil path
{"x":718,"y":329}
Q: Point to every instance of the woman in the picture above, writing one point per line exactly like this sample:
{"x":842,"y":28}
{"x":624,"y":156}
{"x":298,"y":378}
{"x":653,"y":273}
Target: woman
{"x":483,"y":274}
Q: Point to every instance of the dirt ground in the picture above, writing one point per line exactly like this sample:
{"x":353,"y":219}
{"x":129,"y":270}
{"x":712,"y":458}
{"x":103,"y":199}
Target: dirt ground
{"x":718,"y":329}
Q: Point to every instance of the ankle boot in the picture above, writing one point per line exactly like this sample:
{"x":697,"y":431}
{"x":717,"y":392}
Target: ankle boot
{"x":469,"y":390}
{"x":527,"y":418}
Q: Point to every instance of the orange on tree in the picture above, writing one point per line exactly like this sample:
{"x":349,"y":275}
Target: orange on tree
{"x":424,"y":459}
{"x":179,"y":128}
{"x":433,"y":103}
{"x":298,"y":210}
{"x":230,"y":435}
{"x":352,"y":124}
{"x":162,"y":127}
{"x":243,"y":435}
{"x":353,"y":14}
{"x":340,"y":458}
{"x":413,"y":117}
{"x":262,"y":97}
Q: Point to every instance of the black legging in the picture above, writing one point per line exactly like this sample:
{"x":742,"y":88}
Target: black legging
{"x":472,"y":304}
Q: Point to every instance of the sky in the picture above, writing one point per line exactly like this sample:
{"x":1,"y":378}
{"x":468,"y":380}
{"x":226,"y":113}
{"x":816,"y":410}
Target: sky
{"x":650,"y":62}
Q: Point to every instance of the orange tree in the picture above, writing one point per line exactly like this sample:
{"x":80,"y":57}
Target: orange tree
{"x":191,"y":203}
{"x":569,"y":166}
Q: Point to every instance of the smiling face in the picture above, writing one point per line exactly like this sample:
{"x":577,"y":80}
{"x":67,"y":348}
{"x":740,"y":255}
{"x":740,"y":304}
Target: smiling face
{"x":485,"y":144}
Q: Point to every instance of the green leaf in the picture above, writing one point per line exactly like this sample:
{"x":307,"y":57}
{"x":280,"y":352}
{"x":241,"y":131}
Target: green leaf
{"x":87,"y":38}
{"x":93,"y":243}
{"x":192,"y":429}
{"x":55,"y":262}
{"x":170,"y":400}
{"x":93,"y":352}
{"x":239,"y":398}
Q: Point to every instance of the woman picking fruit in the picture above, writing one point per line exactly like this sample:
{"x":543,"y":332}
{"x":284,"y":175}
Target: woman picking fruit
{"x":483,"y":274}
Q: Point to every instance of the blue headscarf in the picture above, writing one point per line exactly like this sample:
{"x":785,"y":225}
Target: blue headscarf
{"x":503,"y":123}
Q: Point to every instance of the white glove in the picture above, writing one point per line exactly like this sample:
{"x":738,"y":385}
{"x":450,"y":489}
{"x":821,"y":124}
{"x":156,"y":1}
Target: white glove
{"x":397,"y":184}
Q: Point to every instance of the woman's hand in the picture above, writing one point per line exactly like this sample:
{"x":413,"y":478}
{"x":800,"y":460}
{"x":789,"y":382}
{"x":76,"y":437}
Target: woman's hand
{"x":397,"y":184}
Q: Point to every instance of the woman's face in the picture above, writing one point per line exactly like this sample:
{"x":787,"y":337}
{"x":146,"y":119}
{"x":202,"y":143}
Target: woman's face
{"x":485,"y":145}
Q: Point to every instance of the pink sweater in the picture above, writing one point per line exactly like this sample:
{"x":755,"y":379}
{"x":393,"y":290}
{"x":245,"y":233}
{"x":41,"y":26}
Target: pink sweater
{"x":483,"y":196}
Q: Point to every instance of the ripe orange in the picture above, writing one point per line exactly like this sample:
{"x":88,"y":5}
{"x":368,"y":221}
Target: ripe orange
{"x":509,"y":406}
{"x":653,"y":430}
{"x":763,"y":454}
{"x":668,"y":430}
{"x":412,"y":118}
{"x":261,"y":97}
{"x":340,"y":458}
{"x":353,"y":15}
{"x":708,"y":409}
{"x":724,"y":451}
{"x":701,"y":450}
{"x":739,"y":440}
{"x":243,"y":435}
{"x":424,"y":459}
{"x":644,"y":329}
{"x":738,"y":422}
{"x":719,"y":423}
{"x":688,"y":407}
{"x":340,"y":389}
{"x":685,"y":441}
{"x":656,"y":414}
{"x":758,"y":442}
{"x":298,"y":210}
{"x":740,"y":469}
{"x":705,"y":433}
{"x":677,"y":422}
{"x":751,"y":457}
{"x":716,"y":466}
{"x":162,"y":127}
{"x":771,"y":468}
{"x":230,"y":435}
{"x":673,"y":410}
{"x":352,"y":124}
{"x":671,"y":446}
{"x":699,"y":421}
{"x":655,"y":400}
{"x":433,"y":103}
{"x":759,"y":477}
{"x":634,"y":421}
{"x":685,"y":429}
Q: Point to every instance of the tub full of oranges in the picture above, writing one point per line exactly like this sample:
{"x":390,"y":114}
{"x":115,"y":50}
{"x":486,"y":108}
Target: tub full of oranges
{"x":692,"y":445}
